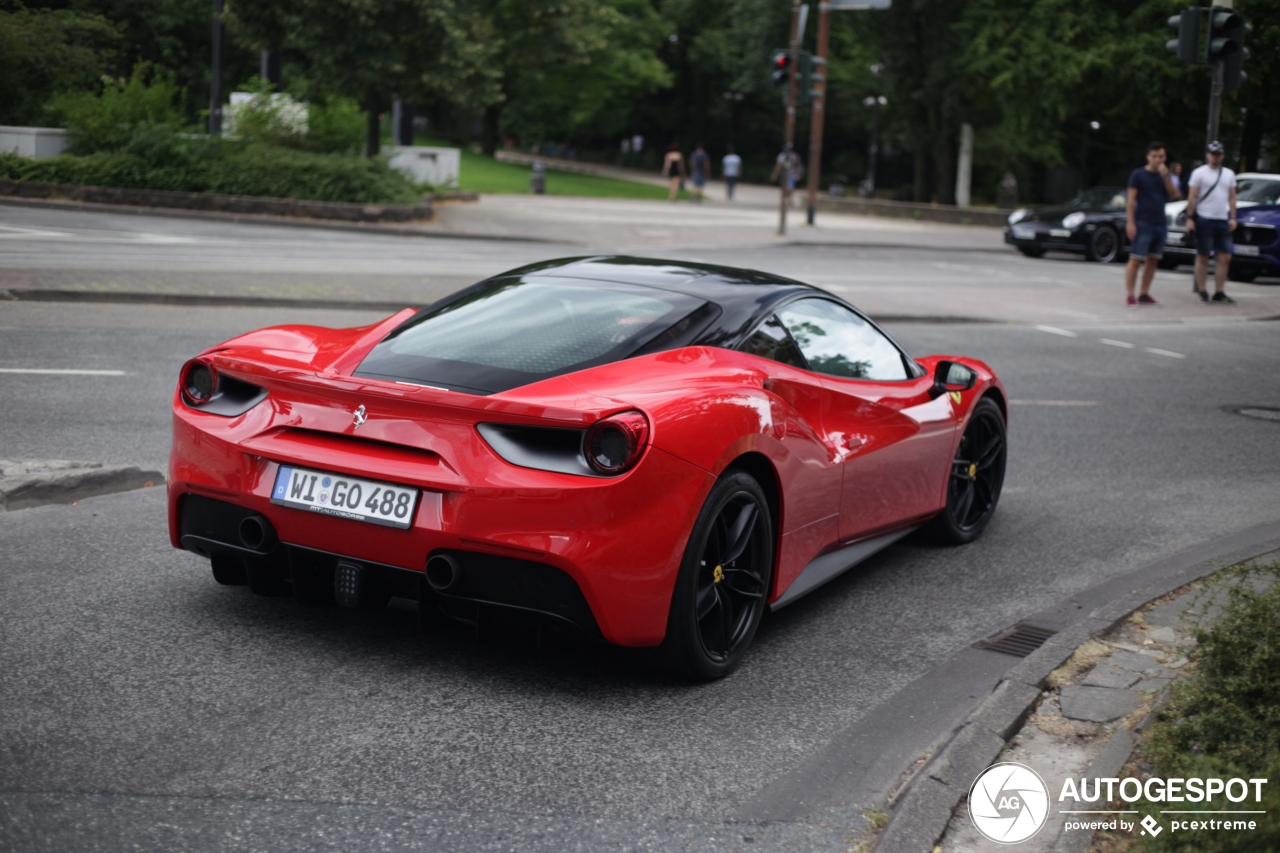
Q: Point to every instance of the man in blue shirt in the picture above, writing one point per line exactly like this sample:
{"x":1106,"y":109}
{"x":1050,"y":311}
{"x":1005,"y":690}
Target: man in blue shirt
{"x":1150,"y":189}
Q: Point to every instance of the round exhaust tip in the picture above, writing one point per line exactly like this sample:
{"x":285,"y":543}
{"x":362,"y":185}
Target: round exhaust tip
{"x":253,"y":532}
{"x":443,"y":572}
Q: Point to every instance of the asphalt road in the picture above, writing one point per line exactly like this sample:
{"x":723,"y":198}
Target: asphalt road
{"x":144,"y":705}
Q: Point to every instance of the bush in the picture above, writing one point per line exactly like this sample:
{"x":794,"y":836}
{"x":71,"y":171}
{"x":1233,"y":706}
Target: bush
{"x":156,"y":159}
{"x":110,"y":120}
{"x":1224,"y":720}
{"x":335,"y":127}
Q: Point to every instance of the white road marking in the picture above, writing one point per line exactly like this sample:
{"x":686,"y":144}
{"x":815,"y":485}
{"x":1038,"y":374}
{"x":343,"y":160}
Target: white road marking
{"x":1165,"y":352}
{"x":1054,"y":330}
{"x":1112,"y":343}
{"x":54,"y":372}
{"x":1053,"y":402}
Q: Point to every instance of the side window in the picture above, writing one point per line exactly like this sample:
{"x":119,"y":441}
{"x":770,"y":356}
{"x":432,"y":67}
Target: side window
{"x":772,"y":341}
{"x":837,"y":342}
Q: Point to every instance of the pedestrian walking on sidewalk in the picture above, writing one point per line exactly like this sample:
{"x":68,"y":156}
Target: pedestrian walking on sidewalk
{"x":1150,"y":189}
{"x":731,"y":167}
{"x":700,"y":167}
{"x":673,"y":168}
{"x":787,"y":170}
{"x":1211,"y":215}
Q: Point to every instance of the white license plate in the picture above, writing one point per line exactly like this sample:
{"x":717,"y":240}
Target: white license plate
{"x":345,"y":497}
{"x":1059,"y":232}
{"x":1024,"y":232}
{"x":1246,"y":250}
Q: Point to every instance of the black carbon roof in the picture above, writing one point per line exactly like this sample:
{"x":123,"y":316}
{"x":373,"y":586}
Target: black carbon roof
{"x":744,"y":295}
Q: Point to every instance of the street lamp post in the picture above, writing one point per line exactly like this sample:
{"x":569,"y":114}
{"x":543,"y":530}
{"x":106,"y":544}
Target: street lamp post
{"x":820,"y":91}
{"x":215,"y":82}
{"x":1084,"y":152}
{"x":798,"y":14}
{"x":873,"y":150}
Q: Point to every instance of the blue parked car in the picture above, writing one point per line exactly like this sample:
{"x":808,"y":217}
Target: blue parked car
{"x":1257,"y":242}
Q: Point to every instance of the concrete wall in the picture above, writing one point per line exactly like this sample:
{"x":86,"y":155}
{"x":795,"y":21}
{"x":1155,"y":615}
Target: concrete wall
{"x":439,"y":167}
{"x":34,"y":142}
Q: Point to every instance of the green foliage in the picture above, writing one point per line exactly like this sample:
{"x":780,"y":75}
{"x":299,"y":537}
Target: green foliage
{"x":107,"y":121}
{"x":1224,"y":721}
{"x":157,"y":159}
{"x":573,"y":65}
{"x":1230,"y":709}
{"x":417,"y":49}
{"x":484,"y":174}
{"x":334,"y":127}
{"x":43,"y":51}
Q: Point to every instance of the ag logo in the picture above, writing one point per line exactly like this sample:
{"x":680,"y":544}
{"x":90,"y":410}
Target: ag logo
{"x":1008,"y":803}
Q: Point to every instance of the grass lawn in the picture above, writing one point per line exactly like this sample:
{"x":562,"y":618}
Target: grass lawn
{"x":487,"y":175}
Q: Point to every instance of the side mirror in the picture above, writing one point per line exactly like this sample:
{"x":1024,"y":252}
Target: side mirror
{"x":951,"y":376}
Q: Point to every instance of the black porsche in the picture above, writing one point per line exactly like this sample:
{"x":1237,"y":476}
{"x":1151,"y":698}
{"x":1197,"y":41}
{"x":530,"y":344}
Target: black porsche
{"x":1092,"y":223}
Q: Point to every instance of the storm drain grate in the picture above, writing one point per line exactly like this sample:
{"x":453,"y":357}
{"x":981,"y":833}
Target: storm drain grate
{"x":1019,"y":640}
{"x":1262,"y":413}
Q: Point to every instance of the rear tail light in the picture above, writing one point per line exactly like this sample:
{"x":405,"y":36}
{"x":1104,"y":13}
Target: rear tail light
{"x":199,"y":381}
{"x":614,"y":444}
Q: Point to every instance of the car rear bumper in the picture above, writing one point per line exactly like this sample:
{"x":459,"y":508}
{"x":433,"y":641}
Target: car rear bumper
{"x":620,"y":541}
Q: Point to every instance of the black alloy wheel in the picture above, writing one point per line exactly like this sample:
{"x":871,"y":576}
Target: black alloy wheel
{"x":977,"y":475}
{"x":1103,"y":245}
{"x":724,"y":580}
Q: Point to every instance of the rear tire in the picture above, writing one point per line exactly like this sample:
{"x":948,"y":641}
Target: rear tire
{"x":724,"y":580}
{"x":977,"y":476}
{"x":1103,"y":245}
{"x":1168,"y":263}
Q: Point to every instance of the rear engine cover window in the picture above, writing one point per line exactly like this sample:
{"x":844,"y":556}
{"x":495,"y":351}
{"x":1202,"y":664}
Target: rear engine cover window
{"x":837,"y":342}
{"x":512,"y":332}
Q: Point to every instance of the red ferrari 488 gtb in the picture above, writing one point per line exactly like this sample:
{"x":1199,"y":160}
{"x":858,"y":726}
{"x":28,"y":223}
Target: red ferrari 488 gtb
{"x":652,"y":452}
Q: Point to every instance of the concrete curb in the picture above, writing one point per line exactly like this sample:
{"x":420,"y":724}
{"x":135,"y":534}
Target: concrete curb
{"x":72,"y":482}
{"x":218,"y":202}
{"x":1109,"y":763}
{"x":925,"y":807}
{"x":19,"y":294}
{"x":261,"y":219}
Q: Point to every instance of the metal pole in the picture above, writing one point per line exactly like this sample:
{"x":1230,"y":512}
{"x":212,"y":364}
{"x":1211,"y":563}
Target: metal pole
{"x":790,"y":131}
{"x":215,"y":83}
{"x":1215,"y":103}
{"x":873,"y":150}
{"x":819,"y":102}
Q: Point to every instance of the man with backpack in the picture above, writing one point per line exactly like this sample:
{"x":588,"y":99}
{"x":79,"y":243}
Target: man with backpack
{"x":1211,"y":216}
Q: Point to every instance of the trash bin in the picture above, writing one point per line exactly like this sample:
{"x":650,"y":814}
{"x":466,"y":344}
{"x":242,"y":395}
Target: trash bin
{"x":538,"y":179}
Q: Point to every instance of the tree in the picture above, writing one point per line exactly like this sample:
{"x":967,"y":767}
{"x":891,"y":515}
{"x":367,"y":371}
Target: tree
{"x":569,"y":65}
{"x":43,"y":51}
{"x":374,"y":50}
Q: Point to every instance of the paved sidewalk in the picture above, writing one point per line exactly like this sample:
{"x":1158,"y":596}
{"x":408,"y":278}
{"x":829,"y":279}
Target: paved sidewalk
{"x":1092,"y":712}
{"x":634,"y":224}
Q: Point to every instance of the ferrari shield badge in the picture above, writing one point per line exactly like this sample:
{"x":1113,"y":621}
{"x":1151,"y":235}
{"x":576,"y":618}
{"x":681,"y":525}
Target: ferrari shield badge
{"x":955,"y":397}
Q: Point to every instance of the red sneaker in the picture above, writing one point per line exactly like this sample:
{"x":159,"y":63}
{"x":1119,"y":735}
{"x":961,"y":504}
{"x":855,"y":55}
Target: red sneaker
{"x":1146,"y":299}
{"x":1131,"y":302}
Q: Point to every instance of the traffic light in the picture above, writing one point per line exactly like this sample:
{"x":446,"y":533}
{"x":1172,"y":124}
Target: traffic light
{"x":1225,"y":35}
{"x":1187,"y":26}
{"x":811,"y":73}
{"x":780,"y":66}
{"x":1233,"y":67}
